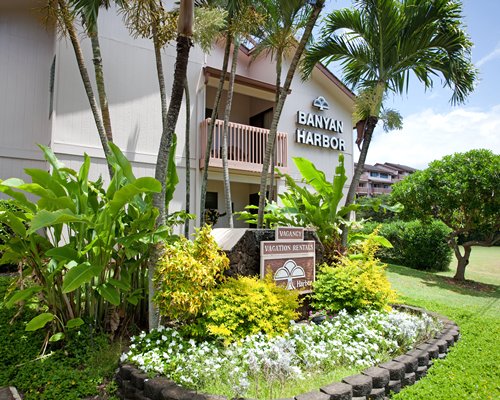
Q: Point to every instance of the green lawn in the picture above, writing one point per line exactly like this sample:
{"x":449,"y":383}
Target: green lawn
{"x":471,"y":370}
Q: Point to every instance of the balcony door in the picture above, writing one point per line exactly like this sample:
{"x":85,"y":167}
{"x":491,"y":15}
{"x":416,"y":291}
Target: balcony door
{"x":262,"y":119}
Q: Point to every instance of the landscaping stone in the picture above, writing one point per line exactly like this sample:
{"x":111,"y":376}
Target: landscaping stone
{"x":432,"y":350}
{"x":138,"y":378}
{"x":126,"y":371}
{"x":361,"y":384}
{"x":450,"y":340}
{"x":396,"y":369}
{"x":9,"y":393}
{"x":380,"y":376}
{"x":176,"y":392}
{"x":153,"y":387}
{"x":128,"y":390}
{"x":393,"y":387}
{"x":442,"y":346}
{"x":411,"y":363}
{"x":140,"y":396}
{"x":338,"y":391}
{"x":409,"y":379}
{"x":314,"y":395}
{"x":422,"y":356}
{"x":420,"y":372}
{"x":377,"y":394}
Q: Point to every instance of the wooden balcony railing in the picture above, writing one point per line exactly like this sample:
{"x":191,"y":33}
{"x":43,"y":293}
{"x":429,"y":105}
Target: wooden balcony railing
{"x":246,"y":146}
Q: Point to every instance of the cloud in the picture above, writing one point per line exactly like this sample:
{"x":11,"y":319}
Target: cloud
{"x":428,"y":136}
{"x":490,"y":56}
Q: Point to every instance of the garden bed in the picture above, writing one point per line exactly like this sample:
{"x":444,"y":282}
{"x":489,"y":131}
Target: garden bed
{"x":192,"y":368}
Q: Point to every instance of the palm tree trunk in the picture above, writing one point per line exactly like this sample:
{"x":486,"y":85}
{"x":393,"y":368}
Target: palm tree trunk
{"x":68,"y":24}
{"x":184,"y":44}
{"x":227,"y":113}
{"x":279,"y":64}
{"x":188,"y":154}
{"x":211,"y":127}
{"x":99,"y":79}
{"x":370,"y":124}
{"x":279,"y":106}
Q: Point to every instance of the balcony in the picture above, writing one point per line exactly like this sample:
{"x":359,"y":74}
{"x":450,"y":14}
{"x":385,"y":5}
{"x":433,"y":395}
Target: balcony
{"x":246,"y":147}
{"x":377,"y":190}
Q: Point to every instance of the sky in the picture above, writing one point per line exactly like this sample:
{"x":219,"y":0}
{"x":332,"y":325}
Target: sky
{"x":432,"y":127}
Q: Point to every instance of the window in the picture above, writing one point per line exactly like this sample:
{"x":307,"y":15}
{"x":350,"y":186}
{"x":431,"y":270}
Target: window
{"x":212,"y":200}
{"x":386,"y":186}
{"x":385,"y":176}
{"x":374,"y":174}
{"x":361,"y":185}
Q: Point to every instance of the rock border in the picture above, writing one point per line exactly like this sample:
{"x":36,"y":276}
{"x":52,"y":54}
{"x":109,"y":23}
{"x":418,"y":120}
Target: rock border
{"x":375,"y":383}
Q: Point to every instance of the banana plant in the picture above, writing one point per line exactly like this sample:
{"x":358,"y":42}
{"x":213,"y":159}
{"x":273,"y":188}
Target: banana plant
{"x":82,"y":248}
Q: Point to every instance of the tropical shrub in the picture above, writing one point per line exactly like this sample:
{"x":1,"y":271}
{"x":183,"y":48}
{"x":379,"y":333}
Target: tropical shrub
{"x":248,"y":305}
{"x":317,"y":208}
{"x":186,"y":275}
{"x":357,"y":282}
{"x":82,"y":247}
{"x":416,"y":244}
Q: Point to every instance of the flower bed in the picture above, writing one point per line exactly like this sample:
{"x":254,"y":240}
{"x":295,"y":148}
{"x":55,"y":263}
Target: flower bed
{"x":262,"y":367}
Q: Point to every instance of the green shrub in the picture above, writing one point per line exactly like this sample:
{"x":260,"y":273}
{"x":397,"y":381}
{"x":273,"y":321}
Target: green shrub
{"x":359,"y":282}
{"x":186,"y":275}
{"x":247,"y":305}
{"x":416,"y":244}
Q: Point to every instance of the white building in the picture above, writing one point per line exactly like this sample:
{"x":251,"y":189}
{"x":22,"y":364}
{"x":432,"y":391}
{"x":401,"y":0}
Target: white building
{"x":43,"y":101}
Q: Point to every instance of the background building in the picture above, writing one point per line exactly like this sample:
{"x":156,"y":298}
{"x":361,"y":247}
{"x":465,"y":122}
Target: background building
{"x":378,"y":179}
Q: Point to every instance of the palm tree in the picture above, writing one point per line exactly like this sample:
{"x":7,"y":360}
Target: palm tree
{"x":317,"y":6}
{"x":378,"y":45}
{"x":277,"y":38}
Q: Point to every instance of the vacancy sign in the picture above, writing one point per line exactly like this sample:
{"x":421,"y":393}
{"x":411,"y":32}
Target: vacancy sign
{"x":290,"y":259}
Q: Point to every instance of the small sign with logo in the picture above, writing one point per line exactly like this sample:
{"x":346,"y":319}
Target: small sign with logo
{"x":290,"y":259}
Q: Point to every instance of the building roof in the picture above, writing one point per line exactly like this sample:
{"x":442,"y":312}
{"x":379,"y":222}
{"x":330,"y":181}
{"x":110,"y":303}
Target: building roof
{"x":377,"y":168}
{"x":400,"y":167}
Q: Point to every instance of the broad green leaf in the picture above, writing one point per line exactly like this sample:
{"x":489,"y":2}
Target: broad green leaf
{"x":313,"y":176}
{"x":44,"y":179}
{"x":14,"y":222}
{"x":79,"y":275}
{"x":39,"y":321}
{"x":20,"y":197}
{"x":66,"y":252}
{"x":127,"y":193}
{"x":21,"y":295}
{"x":109,"y":293}
{"x":51,"y":158}
{"x":122,"y":162}
{"x":58,"y":203}
{"x":121,"y":284}
{"x":56,"y":337}
{"x":46,"y":218}
{"x":74,"y":323}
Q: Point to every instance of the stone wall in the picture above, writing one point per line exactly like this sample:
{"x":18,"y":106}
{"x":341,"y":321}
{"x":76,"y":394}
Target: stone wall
{"x":374,"y":383}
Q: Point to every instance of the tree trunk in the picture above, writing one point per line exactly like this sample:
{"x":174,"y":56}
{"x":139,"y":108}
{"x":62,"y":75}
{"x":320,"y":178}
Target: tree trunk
{"x":227,"y":113}
{"x":68,"y":24}
{"x":99,"y":79}
{"x":370,"y":124}
{"x":183,"y":46}
{"x":211,"y":127}
{"x":279,"y":106}
{"x":188,"y":154}
{"x":463,"y":260}
{"x":279,"y":63}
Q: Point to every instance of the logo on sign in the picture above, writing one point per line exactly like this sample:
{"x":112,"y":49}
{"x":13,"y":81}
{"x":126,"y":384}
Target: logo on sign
{"x":321,"y":103}
{"x":289,"y":271}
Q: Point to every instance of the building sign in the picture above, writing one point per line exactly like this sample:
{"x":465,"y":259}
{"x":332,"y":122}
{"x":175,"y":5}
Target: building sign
{"x":318,"y":121}
{"x":290,"y":259}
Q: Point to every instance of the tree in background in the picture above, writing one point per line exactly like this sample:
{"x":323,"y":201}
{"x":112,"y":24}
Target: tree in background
{"x":380,"y":43}
{"x":463,"y":191}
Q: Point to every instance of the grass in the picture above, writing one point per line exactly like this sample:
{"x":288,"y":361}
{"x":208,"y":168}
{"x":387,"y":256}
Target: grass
{"x":470,"y":371}
{"x":81,"y":369}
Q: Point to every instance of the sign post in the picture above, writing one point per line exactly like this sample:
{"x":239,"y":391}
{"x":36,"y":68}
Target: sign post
{"x":290,"y":259}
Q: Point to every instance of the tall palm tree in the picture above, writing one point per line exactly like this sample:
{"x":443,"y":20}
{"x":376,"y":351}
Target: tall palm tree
{"x":316,"y":7}
{"x":380,"y":43}
{"x":277,"y":38}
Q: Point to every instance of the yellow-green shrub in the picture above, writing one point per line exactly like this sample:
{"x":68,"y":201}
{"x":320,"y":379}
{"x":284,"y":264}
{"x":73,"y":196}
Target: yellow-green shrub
{"x":186,"y":275}
{"x":247,"y":305}
{"x":358,"y":282}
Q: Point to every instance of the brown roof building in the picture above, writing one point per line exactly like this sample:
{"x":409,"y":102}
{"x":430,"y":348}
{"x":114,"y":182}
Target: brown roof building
{"x":378,"y":179}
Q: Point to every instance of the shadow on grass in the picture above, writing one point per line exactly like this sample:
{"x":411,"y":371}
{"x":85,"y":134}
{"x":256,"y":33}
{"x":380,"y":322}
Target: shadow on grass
{"x":470,"y":288}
